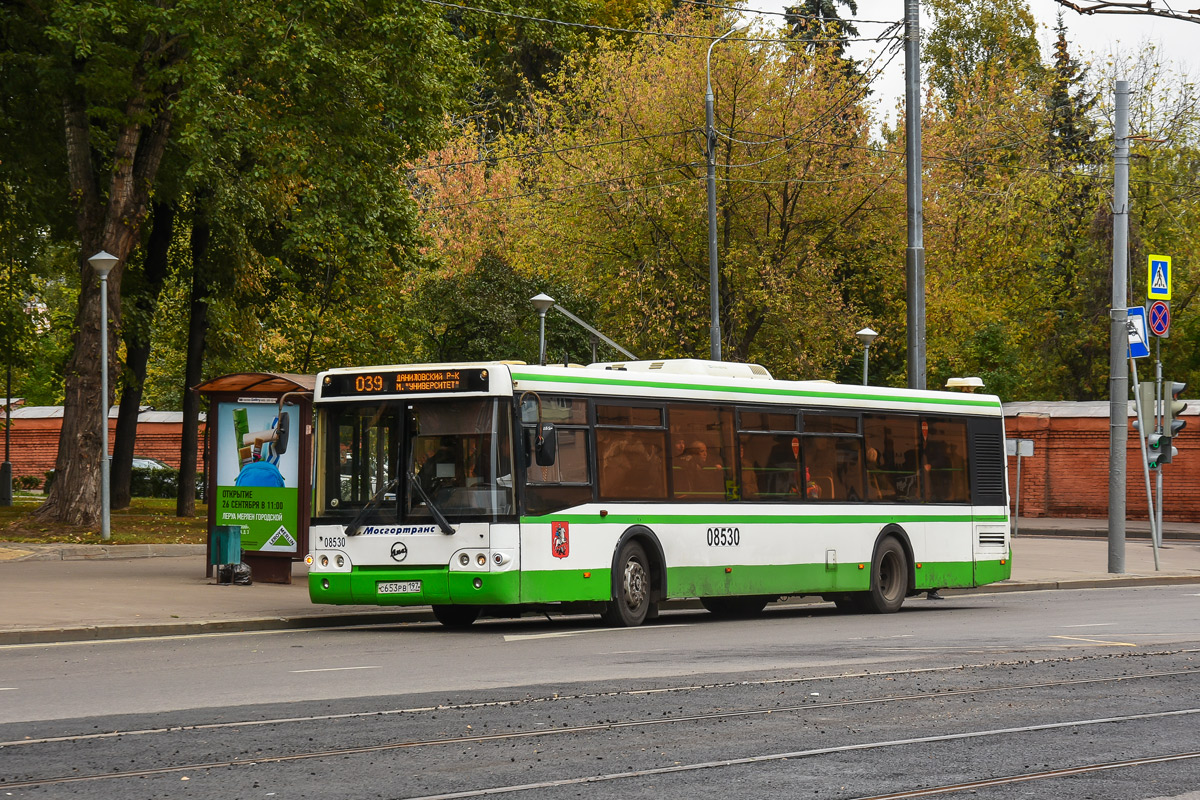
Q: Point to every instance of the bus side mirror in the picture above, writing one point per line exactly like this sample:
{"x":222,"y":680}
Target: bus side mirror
{"x":547,"y":445}
{"x":282,"y":432}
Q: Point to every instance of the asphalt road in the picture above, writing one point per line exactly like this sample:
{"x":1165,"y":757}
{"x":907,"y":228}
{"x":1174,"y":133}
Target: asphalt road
{"x":802,"y":702}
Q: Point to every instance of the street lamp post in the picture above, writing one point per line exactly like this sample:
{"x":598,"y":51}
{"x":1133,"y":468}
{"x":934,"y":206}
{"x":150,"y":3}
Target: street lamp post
{"x":6,"y":487}
{"x":866,"y":336}
{"x":103,"y":262}
{"x":543,"y":303}
{"x":710,"y":135}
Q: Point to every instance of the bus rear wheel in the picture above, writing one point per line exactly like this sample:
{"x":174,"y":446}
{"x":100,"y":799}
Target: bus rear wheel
{"x":889,"y":578}
{"x":631,"y":588}
{"x":734,"y":606}
{"x":456,"y":616}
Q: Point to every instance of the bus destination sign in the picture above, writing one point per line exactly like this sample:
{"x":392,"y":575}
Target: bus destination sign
{"x":362,"y":384}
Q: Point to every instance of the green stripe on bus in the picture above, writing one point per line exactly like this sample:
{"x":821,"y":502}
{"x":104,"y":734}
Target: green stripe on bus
{"x":567,"y":585}
{"x":748,"y":519}
{"x":733,"y":580}
{"x":857,"y":395}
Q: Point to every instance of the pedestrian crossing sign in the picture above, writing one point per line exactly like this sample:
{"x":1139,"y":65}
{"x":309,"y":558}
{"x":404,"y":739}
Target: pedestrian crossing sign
{"x":1158,"y":284}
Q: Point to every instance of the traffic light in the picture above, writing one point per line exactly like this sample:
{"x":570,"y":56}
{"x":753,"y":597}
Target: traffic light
{"x":1145,"y":394}
{"x":1174,"y":407}
{"x":1159,"y":448}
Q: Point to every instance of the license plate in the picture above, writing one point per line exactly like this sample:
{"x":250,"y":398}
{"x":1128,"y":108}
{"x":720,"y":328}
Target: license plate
{"x":398,"y":587}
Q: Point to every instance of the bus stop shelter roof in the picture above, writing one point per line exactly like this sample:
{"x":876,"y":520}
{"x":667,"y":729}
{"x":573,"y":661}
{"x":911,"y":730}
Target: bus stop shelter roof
{"x":259,"y":382}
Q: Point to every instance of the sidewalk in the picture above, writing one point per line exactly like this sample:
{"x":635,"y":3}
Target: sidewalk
{"x":54,"y":593}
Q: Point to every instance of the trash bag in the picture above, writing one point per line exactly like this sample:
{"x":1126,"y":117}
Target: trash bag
{"x":236,"y":574}
{"x":241,"y":574}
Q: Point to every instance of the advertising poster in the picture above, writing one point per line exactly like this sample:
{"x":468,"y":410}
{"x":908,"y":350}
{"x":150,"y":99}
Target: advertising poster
{"x":257,"y":470}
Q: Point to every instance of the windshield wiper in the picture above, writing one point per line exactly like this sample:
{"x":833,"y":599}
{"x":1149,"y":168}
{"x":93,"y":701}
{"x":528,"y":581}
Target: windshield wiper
{"x":353,"y":527}
{"x":433,"y":510}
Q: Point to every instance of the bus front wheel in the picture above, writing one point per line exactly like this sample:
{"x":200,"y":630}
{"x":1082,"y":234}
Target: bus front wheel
{"x":456,"y":616}
{"x":631,"y":588}
{"x":889,"y":578}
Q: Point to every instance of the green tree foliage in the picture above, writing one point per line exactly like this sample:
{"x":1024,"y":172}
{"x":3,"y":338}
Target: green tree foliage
{"x":974,"y":44}
{"x":485,"y":313}
{"x":616,"y":205}
{"x":818,"y":23}
{"x":516,"y":46}
{"x":329,"y":95}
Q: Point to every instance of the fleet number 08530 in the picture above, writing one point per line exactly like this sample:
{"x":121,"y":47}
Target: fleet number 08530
{"x":724,"y":537}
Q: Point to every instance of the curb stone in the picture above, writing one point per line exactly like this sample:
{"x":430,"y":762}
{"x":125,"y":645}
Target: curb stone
{"x":24,"y":551}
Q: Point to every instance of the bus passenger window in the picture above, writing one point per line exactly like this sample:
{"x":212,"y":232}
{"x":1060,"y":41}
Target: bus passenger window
{"x":944,"y":461}
{"x":567,"y":482}
{"x":891,"y":447}
{"x":702,"y":453}
{"x":632,"y":464}
{"x":834,"y":468}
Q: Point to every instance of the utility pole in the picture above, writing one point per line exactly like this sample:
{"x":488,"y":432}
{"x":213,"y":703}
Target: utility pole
{"x":914,"y":255}
{"x":710,"y":138}
{"x":1118,"y":404}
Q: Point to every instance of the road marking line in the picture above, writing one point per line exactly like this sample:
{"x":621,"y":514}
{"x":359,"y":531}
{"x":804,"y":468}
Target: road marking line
{"x":333,"y":669}
{"x":1091,"y":625}
{"x":8,"y":688}
{"x":521,"y":637}
{"x":1095,"y":641}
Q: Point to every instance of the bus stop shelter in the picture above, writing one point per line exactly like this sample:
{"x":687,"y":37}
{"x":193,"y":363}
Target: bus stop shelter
{"x":259,"y":480}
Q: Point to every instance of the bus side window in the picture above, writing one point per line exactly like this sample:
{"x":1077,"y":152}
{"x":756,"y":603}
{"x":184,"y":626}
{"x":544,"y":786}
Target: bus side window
{"x":891,"y":448}
{"x":944,"y":461}
{"x":702,"y":453}
{"x":567,"y":481}
{"x":632,"y":464}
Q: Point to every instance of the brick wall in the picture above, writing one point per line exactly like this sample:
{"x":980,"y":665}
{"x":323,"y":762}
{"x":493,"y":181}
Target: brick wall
{"x":33,"y":446}
{"x":1067,"y":476}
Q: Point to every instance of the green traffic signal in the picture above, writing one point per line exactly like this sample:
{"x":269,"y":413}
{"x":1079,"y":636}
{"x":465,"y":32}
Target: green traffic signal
{"x":1159,"y":446}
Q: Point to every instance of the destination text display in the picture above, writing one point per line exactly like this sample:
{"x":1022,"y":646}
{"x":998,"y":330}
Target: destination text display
{"x":417,"y":382}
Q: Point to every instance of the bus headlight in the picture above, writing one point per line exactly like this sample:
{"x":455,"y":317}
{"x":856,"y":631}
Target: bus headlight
{"x":341,"y":561}
{"x":464,"y":559}
{"x":481,"y":560}
{"x":324,"y":561}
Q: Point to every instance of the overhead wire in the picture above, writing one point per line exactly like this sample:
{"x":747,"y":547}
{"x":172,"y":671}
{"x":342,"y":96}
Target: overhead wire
{"x":761,"y":12}
{"x":839,"y":106}
{"x":648,"y":32}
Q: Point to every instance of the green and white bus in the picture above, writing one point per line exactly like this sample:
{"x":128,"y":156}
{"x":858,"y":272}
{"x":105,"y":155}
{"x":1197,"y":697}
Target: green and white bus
{"x":499,"y":487}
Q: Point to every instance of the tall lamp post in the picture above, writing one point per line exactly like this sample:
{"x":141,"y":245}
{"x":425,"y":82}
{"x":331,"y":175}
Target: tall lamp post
{"x":103,"y":262}
{"x":543,"y":303}
{"x":6,"y":487}
{"x":866,"y":336}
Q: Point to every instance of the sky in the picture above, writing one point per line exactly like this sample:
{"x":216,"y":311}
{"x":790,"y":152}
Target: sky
{"x":1099,"y":35}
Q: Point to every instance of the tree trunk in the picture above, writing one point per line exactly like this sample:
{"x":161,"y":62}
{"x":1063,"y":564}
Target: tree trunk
{"x":112,"y":224}
{"x":185,"y":503}
{"x":137,"y":350}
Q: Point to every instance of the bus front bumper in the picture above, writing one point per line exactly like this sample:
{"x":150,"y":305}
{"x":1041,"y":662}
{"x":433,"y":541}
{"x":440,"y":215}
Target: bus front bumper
{"x":414,"y":586}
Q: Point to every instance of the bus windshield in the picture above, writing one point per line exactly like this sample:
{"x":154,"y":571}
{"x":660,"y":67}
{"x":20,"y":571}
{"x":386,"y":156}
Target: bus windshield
{"x":458,"y":450}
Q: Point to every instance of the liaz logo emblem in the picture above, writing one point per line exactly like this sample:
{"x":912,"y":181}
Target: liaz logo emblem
{"x":560,"y":539}
{"x":399,"y":551}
